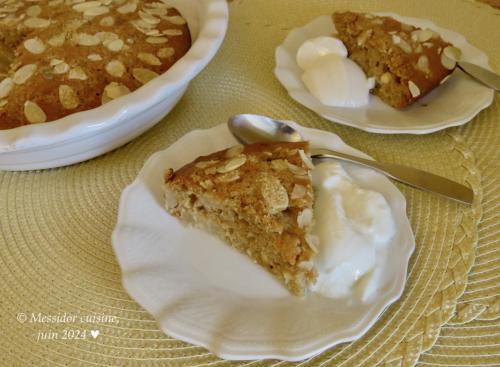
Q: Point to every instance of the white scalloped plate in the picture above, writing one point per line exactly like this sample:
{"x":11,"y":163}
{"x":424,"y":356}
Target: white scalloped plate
{"x":453,"y":103}
{"x":204,"y":292}
{"x":87,"y":134}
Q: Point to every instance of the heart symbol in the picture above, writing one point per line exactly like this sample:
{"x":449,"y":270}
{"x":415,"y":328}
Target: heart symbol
{"x":94,"y":333}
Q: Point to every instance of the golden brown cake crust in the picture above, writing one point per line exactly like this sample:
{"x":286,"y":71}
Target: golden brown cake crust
{"x":407,"y":62}
{"x":259,"y":199}
{"x":71,"y":56}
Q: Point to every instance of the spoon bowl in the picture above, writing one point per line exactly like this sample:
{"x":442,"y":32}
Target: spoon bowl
{"x":249,"y":129}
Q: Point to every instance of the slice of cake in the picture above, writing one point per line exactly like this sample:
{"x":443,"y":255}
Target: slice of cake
{"x":407,"y":62}
{"x":257,"y":198}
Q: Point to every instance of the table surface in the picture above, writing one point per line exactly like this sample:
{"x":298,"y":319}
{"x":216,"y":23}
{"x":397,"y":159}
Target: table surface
{"x":55,"y":239}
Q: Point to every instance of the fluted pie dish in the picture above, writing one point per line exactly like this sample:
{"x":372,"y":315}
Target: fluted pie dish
{"x":135,"y":95}
{"x":202,"y":291}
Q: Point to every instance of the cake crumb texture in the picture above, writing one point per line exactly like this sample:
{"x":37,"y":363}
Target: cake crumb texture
{"x":257,"y":198}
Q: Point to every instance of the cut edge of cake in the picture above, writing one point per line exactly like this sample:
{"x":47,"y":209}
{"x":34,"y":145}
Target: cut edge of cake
{"x":258,"y":199}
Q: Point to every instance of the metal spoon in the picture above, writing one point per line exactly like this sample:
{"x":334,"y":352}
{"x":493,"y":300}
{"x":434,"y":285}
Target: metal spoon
{"x":488,"y":78}
{"x":250,"y":129}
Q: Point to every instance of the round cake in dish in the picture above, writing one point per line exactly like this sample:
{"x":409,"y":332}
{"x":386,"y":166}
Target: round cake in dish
{"x":59,"y":57}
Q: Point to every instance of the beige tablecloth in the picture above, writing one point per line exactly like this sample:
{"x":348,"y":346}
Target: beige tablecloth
{"x":55,"y":248}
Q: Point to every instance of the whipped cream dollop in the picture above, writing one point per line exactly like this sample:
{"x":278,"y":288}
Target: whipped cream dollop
{"x":355,"y":227}
{"x":330,"y":76}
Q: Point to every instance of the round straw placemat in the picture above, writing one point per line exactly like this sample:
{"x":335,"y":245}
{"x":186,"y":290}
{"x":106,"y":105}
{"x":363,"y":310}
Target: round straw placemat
{"x":61,"y":296}
{"x":472,"y":336}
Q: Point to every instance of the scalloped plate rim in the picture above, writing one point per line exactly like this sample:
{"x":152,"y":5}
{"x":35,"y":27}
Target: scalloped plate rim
{"x":228,"y":350}
{"x":481,"y":59}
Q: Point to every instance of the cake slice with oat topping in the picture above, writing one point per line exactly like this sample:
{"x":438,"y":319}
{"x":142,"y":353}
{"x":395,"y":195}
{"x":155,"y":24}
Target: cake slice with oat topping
{"x":257,"y":198}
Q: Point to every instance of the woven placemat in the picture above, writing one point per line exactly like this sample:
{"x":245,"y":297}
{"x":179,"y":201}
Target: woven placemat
{"x":472,"y":336}
{"x":60,"y":279}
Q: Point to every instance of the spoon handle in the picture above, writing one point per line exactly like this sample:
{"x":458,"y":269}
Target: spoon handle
{"x":488,"y":78}
{"x":408,"y":175}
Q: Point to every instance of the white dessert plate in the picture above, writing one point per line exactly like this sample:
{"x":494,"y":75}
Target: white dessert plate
{"x":87,"y":134}
{"x":453,"y":103}
{"x":202,"y":291}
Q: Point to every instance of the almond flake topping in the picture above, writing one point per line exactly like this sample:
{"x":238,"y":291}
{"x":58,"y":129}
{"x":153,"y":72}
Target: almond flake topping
{"x":36,"y":23}
{"x":57,"y":40}
{"x":298,"y":192}
{"x":5,"y":87}
{"x":176,"y":19}
{"x":312,"y":241}
{"x":154,"y":32}
{"x":94,"y":57}
{"x":166,"y":52}
{"x":148,"y":18}
{"x":24,"y":73}
{"x":156,"y":40}
{"x":423,"y":64}
{"x":3,"y":102}
{"x":306,"y":159}
{"x":452,"y":52}
{"x":34,"y":45}
{"x":306,"y":265}
{"x":233,"y":164}
{"x":33,"y":113}
{"x":85,"y":39}
{"x":234,"y":151}
{"x":156,"y":11}
{"x":108,"y":21}
{"x":55,"y":2}
{"x":205,"y":164}
{"x":81,"y":7}
{"x":61,"y":68}
{"x":77,"y":73}
{"x":142,"y":25}
{"x":115,"y":68}
{"x":68,"y":97}
{"x":143,"y":75}
{"x":414,"y":89}
{"x":405,"y":46}
{"x":296,"y":170}
{"x":158,"y":5}
{"x":129,"y":7}
{"x":12,"y":8}
{"x":33,"y":11}
{"x":114,"y":90}
{"x":92,"y":12}
{"x":304,"y":218}
{"x":172,"y":32}
{"x":422,"y":35}
{"x":54,"y":62}
{"x":106,"y":36}
{"x":148,"y":58}
{"x":274,"y":194}
{"x":114,"y":45}
{"x":449,"y":57}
